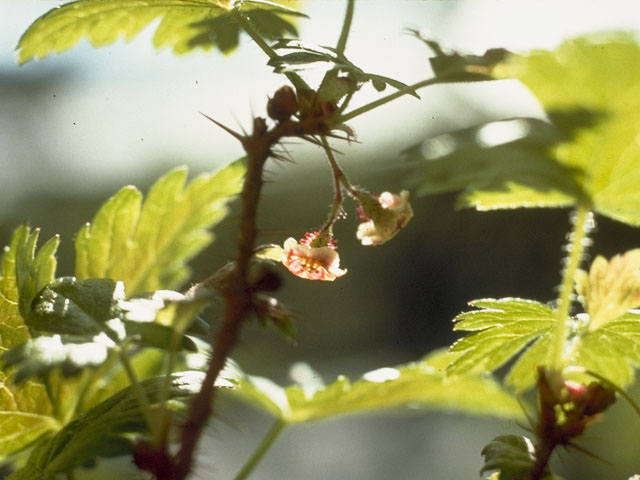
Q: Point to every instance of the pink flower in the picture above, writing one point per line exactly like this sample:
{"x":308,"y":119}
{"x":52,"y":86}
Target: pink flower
{"x":314,"y":258}
{"x":383,"y":216}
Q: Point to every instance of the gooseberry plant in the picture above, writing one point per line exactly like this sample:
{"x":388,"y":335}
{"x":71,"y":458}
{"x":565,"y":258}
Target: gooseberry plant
{"x":120,"y":359}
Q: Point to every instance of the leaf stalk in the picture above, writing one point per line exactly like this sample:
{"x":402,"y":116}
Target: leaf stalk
{"x":263,"y":447}
{"x":582,"y":220}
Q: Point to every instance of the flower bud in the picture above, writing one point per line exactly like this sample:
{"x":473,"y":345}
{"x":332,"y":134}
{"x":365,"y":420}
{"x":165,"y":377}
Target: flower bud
{"x":383,"y":216}
{"x":283,"y":104}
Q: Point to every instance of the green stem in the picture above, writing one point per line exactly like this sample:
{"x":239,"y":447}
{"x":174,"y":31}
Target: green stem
{"x":259,"y":452}
{"x":346,"y":27}
{"x":582,"y":220}
{"x":381,"y":101}
{"x":248,"y":27}
{"x":141,"y":398}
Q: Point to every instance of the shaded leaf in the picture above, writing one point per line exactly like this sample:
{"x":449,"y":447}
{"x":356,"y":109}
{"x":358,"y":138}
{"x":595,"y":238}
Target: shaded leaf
{"x":502,"y":329}
{"x":588,"y":91}
{"x":610,"y":288}
{"x":452,"y":66}
{"x":146,"y":245}
{"x":184,"y":24}
{"x":596,"y":73}
{"x":511,"y":455}
{"x":81,"y":308}
{"x":304,"y":56}
{"x":418,"y":385}
{"x":502,"y":164}
{"x":25,"y":411}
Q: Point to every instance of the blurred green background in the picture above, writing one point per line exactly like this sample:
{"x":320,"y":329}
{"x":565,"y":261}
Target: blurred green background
{"x":76,"y":127}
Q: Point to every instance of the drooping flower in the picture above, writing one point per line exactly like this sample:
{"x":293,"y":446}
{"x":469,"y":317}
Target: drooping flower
{"x":383,"y":216}
{"x":314,"y":258}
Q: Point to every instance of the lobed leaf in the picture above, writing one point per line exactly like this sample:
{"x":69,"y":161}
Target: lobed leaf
{"x":106,"y":430}
{"x":25,"y":410}
{"x":596,"y":74}
{"x":590,"y":154}
{"x":146,"y":244}
{"x":184,"y":24}
{"x":610,"y":288}
{"x":612,"y":351}
{"x":502,"y":329}
{"x":419,"y":385}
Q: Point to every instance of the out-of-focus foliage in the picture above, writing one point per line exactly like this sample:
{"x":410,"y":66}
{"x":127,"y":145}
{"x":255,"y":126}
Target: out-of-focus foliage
{"x":184,"y":24}
{"x":591,"y":156}
{"x":419,"y":385}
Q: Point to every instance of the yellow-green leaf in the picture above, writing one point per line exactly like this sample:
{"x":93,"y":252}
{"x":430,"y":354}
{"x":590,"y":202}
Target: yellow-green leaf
{"x":25,"y":411}
{"x":184,"y":24}
{"x":610,"y":288}
{"x":419,"y":385}
{"x":595,"y":74}
{"x":146,"y":244}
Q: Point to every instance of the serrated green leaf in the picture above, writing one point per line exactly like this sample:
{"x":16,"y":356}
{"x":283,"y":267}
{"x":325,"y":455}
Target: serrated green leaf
{"x":502,"y":328}
{"x":146,"y":245}
{"x":418,"y":385}
{"x":184,"y":24}
{"x":587,"y":89}
{"x":25,"y":411}
{"x":511,"y":455}
{"x":610,"y":288}
{"x":596,"y":73}
{"x":33,"y":269}
{"x":612,"y":351}
{"x":106,"y":429}
{"x":68,"y":306}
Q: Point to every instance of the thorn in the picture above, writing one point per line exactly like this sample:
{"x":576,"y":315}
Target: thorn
{"x":224,"y":127}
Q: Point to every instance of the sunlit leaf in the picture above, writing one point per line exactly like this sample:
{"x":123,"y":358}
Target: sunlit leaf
{"x":146,"y":245}
{"x":106,"y":429}
{"x":33,"y":269}
{"x":610,"y":288}
{"x":612,"y":351}
{"x":184,"y":24}
{"x":25,"y":410}
{"x":590,"y":154}
{"x":418,"y":385}
{"x":596,"y":73}
{"x":502,"y":329}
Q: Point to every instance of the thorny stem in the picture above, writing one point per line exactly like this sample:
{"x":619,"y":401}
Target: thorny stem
{"x":237,"y":295}
{"x":582,"y":220}
{"x":237,"y":300}
{"x":264,"y":446}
